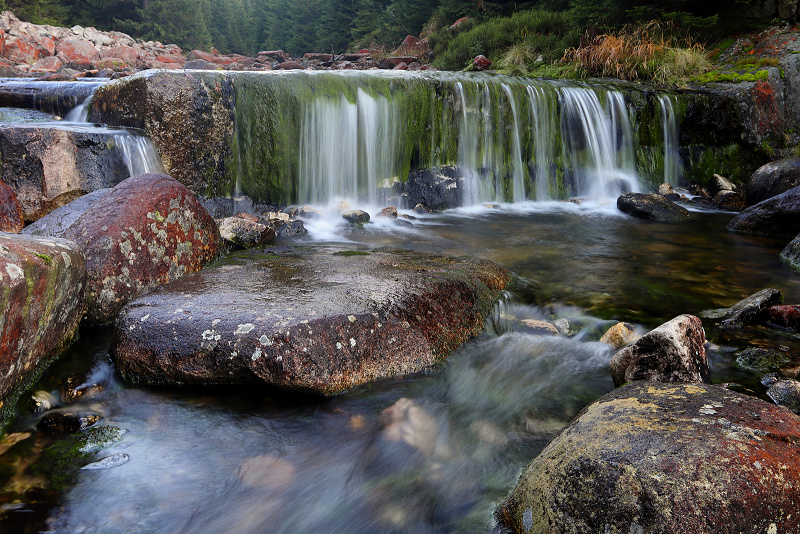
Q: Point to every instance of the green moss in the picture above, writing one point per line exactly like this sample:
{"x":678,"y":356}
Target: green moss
{"x":44,"y":257}
{"x":731,"y":77}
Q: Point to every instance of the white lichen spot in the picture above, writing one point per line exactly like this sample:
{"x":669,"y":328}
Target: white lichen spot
{"x":351,"y":318}
{"x":257,"y":354}
{"x":406,"y":325}
{"x":244,"y":328}
{"x":338,"y":345}
{"x":279,"y":359}
{"x":234,"y":354}
{"x":67,"y":259}
{"x":707,"y":410}
{"x":304,"y":321}
{"x":264,"y":340}
{"x":146,"y":317}
{"x":772,"y":529}
{"x":15,"y":272}
{"x":215,"y":322}
{"x":208,"y":335}
{"x":352,"y":342}
{"x":179,"y":310}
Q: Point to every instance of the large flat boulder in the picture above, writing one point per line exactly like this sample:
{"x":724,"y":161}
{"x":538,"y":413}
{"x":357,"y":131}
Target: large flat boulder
{"x":42,"y":290}
{"x":317,"y":320}
{"x":48,"y":166}
{"x":147,"y":231}
{"x":778,"y":216}
{"x":665,"y":459}
{"x":673,"y":352}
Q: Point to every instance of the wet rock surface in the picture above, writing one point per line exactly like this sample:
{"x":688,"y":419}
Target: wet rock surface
{"x":147,"y":231}
{"x":665,"y":459}
{"x":751,"y":309}
{"x":434,"y":189}
{"x":786,"y":393}
{"x":787,"y":316}
{"x":10,"y":213}
{"x":773,"y":179}
{"x":791,"y":253}
{"x":778,"y":216}
{"x":651,"y":207}
{"x":244,"y":233}
{"x":57,"y":222}
{"x":673,"y":352}
{"x":318,"y":320}
{"x":48,"y":167}
{"x":42,"y":287}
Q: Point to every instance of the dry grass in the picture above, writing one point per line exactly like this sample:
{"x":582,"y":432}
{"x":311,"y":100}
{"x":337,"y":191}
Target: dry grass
{"x":648,"y":52}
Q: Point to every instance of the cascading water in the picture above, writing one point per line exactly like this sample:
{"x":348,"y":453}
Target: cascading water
{"x":513,"y":139}
{"x":669,"y":128}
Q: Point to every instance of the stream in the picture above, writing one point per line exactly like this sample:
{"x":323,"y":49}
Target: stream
{"x":433,"y":452}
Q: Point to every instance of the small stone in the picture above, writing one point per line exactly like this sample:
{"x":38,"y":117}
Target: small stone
{"x":422,"y":209}
{"x":751,"y":309}
{"x":665,"y":189}
{"x":390,"y":212}
{"x":619,"y":335}
{"x":786,"y":393}
{"x":761,"y":360}
{"x":109,"y":462}
{"x":67,"y":422}
{"x":356,"y":216}
{"x":540,"y":328}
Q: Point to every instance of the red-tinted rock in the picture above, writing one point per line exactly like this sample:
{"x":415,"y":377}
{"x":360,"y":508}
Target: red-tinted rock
{"x":317,"y":57}
{"x":275,"y":55}
{"x":410,"y":42}
{"x":47,"y":64}
{"x":401,"y":66}
{"x":146,"y":231}
{"x":42,"y":287}
{"x":46,"y":45}
{"x":171,"y":59}
{"x":10,"y":212}
{"x":128,"y":54}
{"x":389,"y":211}
{"x":458,"y":23}
{"x":77,"y":50}
{"x":673,"y":352}
{"x":20,"y":50}
{"x":787,"y":316}
{"x":290,"y":65}
{"x":481,"y":63}
{"x":665,"y":459}
{"x":199,"y":54}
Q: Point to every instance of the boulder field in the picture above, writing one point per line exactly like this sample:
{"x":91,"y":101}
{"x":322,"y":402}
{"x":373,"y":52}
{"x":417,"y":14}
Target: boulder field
{"x":316,"y":319}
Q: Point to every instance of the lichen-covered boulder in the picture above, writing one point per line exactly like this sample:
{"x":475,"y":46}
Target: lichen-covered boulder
{"x":318,"y":320}
{"x":651,"y":207}
{"x":673,"y":352}
{"x":778,"y":216}
{"x":791,"y":253}
{"x":664,"y":459}
{"x":146,"y":231}
{"x":48,"y":167}
{"x":42,"y":288}
{"x":785,"y":316}
{"x":786,"y":393}
{"x":773,"y":179}
{"x":10,"y":213}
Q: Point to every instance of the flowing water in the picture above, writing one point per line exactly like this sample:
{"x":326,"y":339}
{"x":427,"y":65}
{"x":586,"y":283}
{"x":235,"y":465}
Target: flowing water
{"x":437,"y":451}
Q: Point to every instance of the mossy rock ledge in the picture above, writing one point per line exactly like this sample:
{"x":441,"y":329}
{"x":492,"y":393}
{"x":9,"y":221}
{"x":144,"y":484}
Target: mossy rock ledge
{"x":662,"y":458}
{"x":312,"y":319}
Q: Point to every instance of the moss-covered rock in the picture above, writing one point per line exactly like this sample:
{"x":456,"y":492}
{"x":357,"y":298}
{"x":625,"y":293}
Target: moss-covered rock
{"x":664,"y":459}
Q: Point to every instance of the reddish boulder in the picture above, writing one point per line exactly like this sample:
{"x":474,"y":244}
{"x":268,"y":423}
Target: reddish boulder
{"x":665,"y":459}
{"x":290,"y":65}
{"x":274,"y":55}
{"x":787,"y":316}
{"x":47,"y":64}
{"x":42,"y":287}
{"x":401,"y":66}
{"x":481,"y":63}
{"x":128,"y":54}
{"x":673,"y":352}
{"x":76,"y":50}
{"x":146,"y":231}
{"x":19,"y":50}
{"x":46,"y":45}
{"x":199,"y":54}
{"x":317,"y":57}
{"x":458,"y":23}
{"x":10,"y":212}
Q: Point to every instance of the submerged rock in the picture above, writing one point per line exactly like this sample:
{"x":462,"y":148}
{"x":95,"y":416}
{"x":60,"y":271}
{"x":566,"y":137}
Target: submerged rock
{"x":42,"y":288}
{"x":787,"y":316}
{"x":761,"y":360}
{"x":652,"y":207}
{"x":147,"y":231}
{"x":778,"y":216}
{"x":318,"y":320}
{"x":666,"y":459}
{"x":673,"y":352}
{"x":773,"y":179}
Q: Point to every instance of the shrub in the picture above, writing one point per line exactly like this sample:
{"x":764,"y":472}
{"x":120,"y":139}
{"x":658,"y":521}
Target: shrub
{"x":543,"y":33}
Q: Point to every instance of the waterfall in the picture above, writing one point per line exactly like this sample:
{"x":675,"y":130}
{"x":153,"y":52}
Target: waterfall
{"x":134,"y":148}
{"x":513,"y":139}
{"x":669,"y":128}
